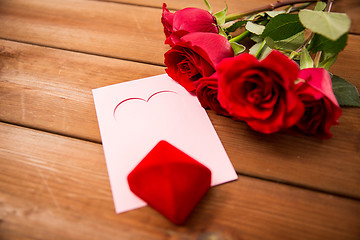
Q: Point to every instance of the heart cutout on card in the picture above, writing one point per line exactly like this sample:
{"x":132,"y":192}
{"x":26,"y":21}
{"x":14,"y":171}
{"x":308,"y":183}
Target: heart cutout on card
{"x":141,"y":99}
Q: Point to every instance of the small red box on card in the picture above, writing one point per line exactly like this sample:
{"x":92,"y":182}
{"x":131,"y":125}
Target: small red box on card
{"x":170,"y":181}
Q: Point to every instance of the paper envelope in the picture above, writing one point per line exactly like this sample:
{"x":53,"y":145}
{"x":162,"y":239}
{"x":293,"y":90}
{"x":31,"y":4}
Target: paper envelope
{"x":134,"y":116}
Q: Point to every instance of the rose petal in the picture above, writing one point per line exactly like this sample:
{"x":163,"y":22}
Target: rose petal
{"x":210,"y":46}
{"x":294,"y":109}
{"x":320,"y":80}
{"x":206,"y":91}
{"x":167,"y":20}
{"x":260,"y":93}
{"x":229,"y":72}
{"x":320,"y":112}
{"x":271,"y":124}
{"x":194,"y":20}
{"x":283,"y":66}
{"x":186,"y":21}
{"x":200,"y":57}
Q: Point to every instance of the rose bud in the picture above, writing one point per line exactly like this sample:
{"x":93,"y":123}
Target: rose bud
{"x":207,"y":91}
{"x":321,"y":107}
{"x":260,"y":93}
{"x":195,"y":56}
{"x":186,"y":21}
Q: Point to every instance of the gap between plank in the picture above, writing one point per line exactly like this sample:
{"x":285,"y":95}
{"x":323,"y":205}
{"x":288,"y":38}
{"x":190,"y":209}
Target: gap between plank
{"x":160,"y":7}
{"x":51,"y":132}
{"x":87,"y":53}
{"x":297,"y":185}
{"x":134,"y":4}
{"x":282,"y":182}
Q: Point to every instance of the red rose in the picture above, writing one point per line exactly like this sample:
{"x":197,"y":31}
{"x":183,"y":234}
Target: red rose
{"x":207,"y":91}
{"x":260,"y":93}
{"x":321,"y":107}
{"x":186,"y":21}
{"x":195,"y":56}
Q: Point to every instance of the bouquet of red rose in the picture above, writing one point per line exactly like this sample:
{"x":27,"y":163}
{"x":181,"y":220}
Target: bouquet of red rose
{"x":280,"y":80}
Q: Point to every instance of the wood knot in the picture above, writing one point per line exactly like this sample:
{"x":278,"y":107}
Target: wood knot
{"x":5,"y":53}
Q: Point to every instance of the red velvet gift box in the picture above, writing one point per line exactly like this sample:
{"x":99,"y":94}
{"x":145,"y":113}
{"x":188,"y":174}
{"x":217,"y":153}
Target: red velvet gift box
{"x":170,"y":181}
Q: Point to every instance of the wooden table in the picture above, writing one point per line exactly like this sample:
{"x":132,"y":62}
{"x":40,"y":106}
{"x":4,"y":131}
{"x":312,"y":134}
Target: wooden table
{"x":53,"y":177}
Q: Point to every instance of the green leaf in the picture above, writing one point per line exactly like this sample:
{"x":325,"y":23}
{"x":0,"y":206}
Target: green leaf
{"x":255,"y":48}
{"x":208,"y":5}
{"x":289,"y":44}
{"x":220,"y":16}
{"x":320,"y":43}
{"x":282,"y":26}
{"x":295,"y":56}
{"x":223,"y":33}
{"x":254,"y":28}
{"x":259,"y":51}
{"x":274,"y":13}
{"x":305,"y":59}
{"x":320,"y":6}
{"x":330,"y":25}
{"x":345,"y":93}
{"x":256,"y":38}
{"x":235,"y":26}
{"x":327,"y":59}
{"x":257,"y":15}
{"x":238,"y":48}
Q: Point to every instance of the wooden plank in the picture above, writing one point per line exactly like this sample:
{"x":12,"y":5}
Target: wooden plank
{"x":346,"y":65}
{"x":351,"y":7}
{"x":111,"y":29}
{"x":90,"y":26}
{"x":330,"y":165}
{"x":57,"y":187}
{"x":51,"y":90}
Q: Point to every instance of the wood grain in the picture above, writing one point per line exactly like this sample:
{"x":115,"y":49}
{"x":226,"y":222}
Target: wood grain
{"x":58,"y":186}
{"x":331,"y":165}
{"x":111,"y":29}
{"x":54,"y":182}
{"x":346,"y":65}
{"x":50,"y":89}
{"x":351,"y":7}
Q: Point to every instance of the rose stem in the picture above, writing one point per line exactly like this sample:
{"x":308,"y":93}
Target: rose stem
{"x":307,"y":40}
{"x":240,"y":37}
{"x":268,"y":7}
{"x":294,"y":9}
{"x":258,"y":53}
{"x":288,"y":9}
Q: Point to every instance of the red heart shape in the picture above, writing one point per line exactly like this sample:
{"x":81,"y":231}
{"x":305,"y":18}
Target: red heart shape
{"x":170,"y":181}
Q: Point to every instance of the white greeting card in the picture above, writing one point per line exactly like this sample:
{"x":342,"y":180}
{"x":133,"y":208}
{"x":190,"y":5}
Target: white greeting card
{"x":134,"y":116}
